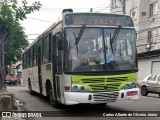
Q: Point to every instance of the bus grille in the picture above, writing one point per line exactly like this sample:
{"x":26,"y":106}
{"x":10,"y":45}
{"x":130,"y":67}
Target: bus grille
{"x":105,"y":97}
{"x":96,"y":80}
{"x":104,"y":84}
{"x":104,"y":87}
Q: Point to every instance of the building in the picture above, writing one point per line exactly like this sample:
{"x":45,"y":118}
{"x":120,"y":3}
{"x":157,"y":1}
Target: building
{"x":146,"y":17}
{"x":15,"y":68}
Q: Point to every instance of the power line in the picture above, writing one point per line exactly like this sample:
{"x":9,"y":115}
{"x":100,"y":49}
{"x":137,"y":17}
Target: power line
{"x":105,"y":8}
{"x":40,"y":19}
{"x":100,"y":5}
{"x":32,"y":34}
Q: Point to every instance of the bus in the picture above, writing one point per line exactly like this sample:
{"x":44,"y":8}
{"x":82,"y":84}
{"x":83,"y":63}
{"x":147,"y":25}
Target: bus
{"x":84,"y":58}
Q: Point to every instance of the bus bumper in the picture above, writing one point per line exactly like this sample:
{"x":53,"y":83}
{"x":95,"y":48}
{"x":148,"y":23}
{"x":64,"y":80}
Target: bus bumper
{"x":129,"y":94}
{"x":71,"y":98}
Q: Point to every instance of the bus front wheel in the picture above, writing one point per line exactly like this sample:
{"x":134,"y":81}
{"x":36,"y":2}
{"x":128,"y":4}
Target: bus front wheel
{"x":52,"y":99}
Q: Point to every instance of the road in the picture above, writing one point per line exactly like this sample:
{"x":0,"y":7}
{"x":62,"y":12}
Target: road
{"x":40,"y":103}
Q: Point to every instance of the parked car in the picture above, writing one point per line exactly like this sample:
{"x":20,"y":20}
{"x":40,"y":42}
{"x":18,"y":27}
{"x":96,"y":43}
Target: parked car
{"x":13,"y":79}
{"x":150,"y":84}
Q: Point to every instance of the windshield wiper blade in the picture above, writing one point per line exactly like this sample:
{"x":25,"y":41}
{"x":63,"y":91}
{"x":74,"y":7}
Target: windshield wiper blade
{"x":115,"y":35}
{"x":79,"y":35}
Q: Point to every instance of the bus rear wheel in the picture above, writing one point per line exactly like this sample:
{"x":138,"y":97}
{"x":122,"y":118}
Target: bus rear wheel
{"x":52,"y":99}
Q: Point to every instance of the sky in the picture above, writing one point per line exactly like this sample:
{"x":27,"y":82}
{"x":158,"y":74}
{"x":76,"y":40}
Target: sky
{"x":37,"y":22}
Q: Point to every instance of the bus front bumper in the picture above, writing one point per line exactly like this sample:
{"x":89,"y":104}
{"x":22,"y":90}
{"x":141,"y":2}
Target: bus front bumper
{"x":71,"y":98}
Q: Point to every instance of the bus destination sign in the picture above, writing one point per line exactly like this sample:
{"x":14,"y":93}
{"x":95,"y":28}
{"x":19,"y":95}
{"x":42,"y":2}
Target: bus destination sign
{"x":98,"y":19}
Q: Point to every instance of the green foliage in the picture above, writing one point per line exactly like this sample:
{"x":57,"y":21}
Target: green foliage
{"x":10,"y":14}
{"x":15,"y":45}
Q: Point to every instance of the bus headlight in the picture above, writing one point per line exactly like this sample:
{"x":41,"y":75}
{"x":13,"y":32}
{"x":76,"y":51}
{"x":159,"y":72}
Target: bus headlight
{"x":82,"y":88}
{"x":133,"y":85}
{"x":79,"y":88}
{"x":75,"y":87}
{"x":129,"y":85}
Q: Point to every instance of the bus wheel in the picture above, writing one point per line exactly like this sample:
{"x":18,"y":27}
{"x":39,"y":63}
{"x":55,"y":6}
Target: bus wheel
{"x":30,"y":88}
{"x":144,"y":91}
{"x":52,"y":100}
{"x":159,"y":94}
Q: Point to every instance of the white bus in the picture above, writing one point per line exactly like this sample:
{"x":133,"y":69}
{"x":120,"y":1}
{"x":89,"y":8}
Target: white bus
{"x":84,"y":58}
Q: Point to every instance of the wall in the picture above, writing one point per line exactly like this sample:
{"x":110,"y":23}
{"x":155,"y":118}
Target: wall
{"x":144,"y":66}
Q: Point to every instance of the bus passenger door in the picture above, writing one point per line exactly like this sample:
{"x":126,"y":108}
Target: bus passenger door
{"x":56,"y":60}
{"x":39,"y":70}
{"x":55,"y":65}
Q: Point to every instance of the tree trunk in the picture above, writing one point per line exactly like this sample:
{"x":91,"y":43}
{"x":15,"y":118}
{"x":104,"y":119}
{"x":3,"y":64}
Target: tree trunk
{"x":2,"y":66}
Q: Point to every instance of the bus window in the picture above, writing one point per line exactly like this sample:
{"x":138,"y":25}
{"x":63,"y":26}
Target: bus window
{"x":50,"y":44}
{"x":35,"y":54}
{"x":30,"y":58}
{"x":45,"y":48}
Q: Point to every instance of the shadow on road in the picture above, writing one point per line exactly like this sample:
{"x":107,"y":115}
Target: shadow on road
{"x":83,"y":110}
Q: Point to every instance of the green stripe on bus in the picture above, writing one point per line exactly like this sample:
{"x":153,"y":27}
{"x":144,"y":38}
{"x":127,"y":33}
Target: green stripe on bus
{"x":98,"y":83}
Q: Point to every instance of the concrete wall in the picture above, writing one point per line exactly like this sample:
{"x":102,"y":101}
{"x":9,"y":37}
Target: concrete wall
{"x":145,"y":66}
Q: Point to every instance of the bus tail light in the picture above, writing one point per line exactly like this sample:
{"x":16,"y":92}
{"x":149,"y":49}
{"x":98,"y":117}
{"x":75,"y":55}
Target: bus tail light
{"x":132,"y":93}
{"x":67,"y":87}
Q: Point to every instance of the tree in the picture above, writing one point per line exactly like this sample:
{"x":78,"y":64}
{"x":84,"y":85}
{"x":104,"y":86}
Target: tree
{"x":14,"y":46}
{"x":10,"y":14}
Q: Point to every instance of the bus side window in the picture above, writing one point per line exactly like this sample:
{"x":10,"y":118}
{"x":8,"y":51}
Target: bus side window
{"x":55,"y":55}
{"x":50,"y":46}
{"x":35,"y":54}
{"x":45,"y":48}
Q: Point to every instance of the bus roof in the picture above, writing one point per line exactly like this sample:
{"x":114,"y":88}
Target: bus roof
{"x":60,"y":19}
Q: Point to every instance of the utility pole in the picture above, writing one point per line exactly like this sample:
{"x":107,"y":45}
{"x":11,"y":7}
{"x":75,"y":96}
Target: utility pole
{"x":124,"y":6}
{"x":91,"y":10}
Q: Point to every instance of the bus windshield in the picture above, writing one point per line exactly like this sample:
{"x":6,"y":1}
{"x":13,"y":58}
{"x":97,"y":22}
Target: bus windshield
{"x":95,"y":52}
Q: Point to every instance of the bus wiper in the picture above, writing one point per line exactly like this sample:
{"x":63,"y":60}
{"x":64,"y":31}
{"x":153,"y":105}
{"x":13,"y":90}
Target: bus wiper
{"x":79,"y":35}
{"x":114,"y":37}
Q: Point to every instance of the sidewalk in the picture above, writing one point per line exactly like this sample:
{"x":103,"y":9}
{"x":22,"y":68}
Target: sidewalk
{"x":13,"y":103}
{"x":2,"y":92}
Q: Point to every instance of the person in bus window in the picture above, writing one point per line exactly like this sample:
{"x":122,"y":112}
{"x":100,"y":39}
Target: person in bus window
{"x":74,"y":53}
{"x":93,"y":54}
{"x":74,"y":57}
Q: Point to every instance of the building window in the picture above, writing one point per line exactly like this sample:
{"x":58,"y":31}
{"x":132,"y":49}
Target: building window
{"x":152,"y":36}
{"x":134,"y":14}
{"x":143,"y":14}
{"x":149,"y":36}
{"x":113,"y":4}
{"x":153,"y":9}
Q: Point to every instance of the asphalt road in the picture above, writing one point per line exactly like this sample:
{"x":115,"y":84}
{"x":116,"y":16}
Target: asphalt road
{"x":81,"y":112}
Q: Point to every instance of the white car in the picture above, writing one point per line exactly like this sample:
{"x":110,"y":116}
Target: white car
{"x":150,"y":84}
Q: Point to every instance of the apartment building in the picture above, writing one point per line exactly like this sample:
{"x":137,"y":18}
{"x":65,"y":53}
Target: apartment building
{"x":146,"y":18}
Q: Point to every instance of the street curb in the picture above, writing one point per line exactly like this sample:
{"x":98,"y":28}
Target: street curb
{"x":15,"y":106}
